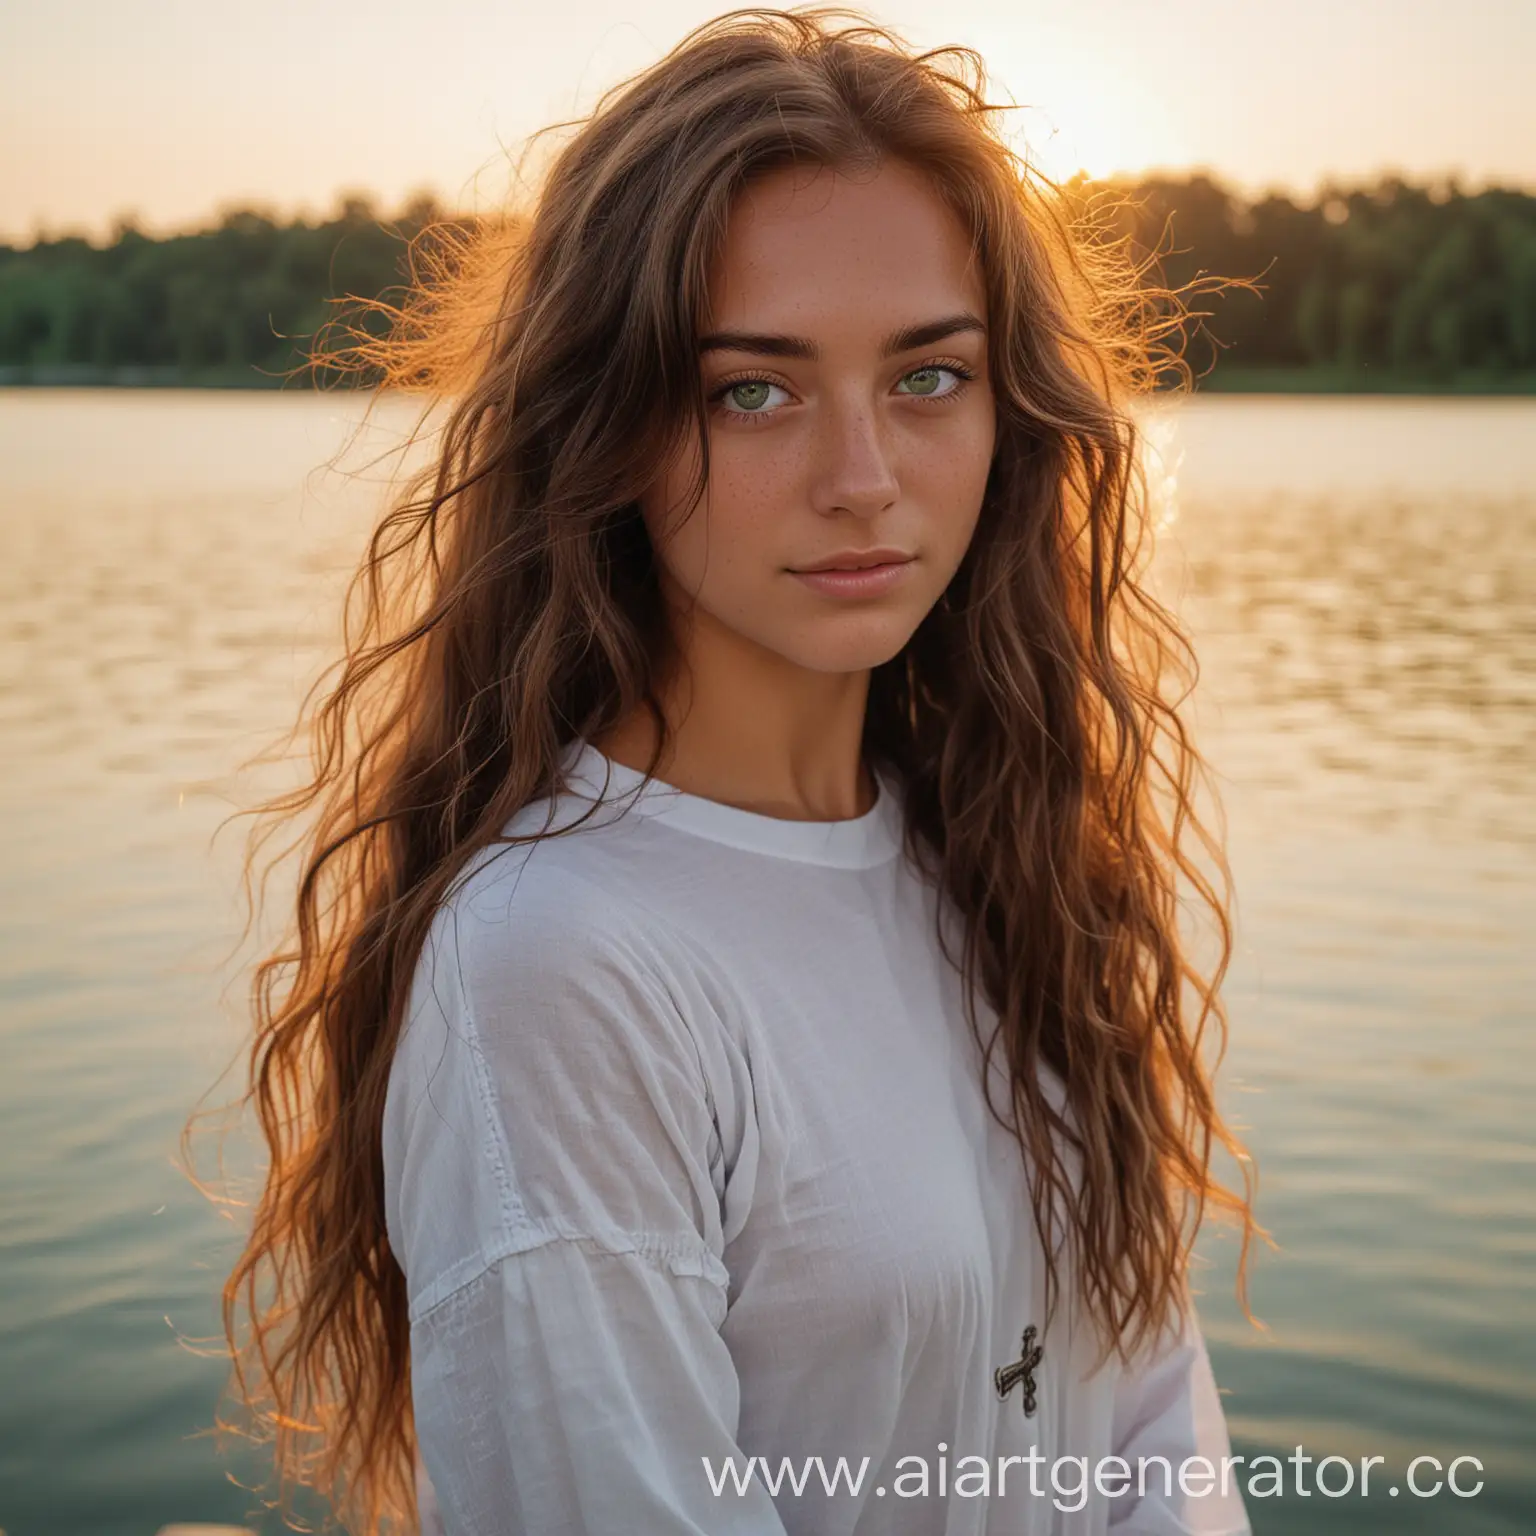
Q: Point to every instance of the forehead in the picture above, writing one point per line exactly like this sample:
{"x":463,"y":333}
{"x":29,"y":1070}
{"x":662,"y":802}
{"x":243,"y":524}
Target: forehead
{"x":815,"y":249}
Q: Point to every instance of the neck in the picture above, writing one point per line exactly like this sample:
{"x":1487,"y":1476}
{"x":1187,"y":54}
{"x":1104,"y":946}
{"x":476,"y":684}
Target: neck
{"x":749,"y":728}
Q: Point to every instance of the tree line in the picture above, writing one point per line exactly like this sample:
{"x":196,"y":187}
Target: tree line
{"x":1389,"y":284}
{"x":1416,"y":283}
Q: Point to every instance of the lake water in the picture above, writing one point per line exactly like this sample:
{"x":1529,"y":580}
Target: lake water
{"x":1360,"y":578}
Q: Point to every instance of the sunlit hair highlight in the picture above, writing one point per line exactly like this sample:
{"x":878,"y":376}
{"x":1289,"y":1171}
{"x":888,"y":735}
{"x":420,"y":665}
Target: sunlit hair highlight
{"x":508,"y":602}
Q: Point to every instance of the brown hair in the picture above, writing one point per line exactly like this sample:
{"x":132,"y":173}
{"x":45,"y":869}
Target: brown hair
{"x":508,"y":602}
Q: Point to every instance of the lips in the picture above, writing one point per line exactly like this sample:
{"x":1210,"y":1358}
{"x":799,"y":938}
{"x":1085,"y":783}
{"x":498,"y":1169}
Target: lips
{"x":857,"y":560}
{"x":858,"y":582}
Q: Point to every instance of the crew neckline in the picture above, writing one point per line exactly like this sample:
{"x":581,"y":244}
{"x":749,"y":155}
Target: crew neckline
{"x":857,"y":843}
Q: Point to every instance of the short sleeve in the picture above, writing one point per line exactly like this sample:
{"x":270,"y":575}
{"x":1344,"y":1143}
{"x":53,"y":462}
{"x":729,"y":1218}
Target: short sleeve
{"x":553,"y":1191}
{"x":1167,"y":1407}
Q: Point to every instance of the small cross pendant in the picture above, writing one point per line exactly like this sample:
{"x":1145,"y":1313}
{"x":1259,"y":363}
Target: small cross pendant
{"x":1022,"y":1369}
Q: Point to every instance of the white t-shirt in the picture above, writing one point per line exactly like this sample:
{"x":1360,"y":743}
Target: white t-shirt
{"x":687,"y":1162}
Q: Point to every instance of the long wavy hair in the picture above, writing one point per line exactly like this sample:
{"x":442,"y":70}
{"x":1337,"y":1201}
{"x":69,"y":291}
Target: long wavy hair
{"x":508,"y":602}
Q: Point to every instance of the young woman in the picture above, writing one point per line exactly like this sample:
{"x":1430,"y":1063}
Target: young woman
{"x":738,"y":1009}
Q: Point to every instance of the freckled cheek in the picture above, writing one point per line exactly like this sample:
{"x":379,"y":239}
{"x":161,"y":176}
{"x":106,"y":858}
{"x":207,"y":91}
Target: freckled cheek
{"x":720,"y":534}
{"x":749,"y":515}
{"x":949,"y":480}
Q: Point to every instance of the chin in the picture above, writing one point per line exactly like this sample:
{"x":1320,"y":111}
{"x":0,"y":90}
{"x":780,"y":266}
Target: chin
{"x":851,"y":643}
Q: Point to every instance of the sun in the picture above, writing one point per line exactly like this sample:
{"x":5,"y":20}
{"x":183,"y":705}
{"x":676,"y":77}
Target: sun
{"x":1077,"y":111}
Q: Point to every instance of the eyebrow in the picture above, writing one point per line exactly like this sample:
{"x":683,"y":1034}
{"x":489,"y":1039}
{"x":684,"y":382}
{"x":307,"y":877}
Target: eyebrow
{"x":907,"y":339}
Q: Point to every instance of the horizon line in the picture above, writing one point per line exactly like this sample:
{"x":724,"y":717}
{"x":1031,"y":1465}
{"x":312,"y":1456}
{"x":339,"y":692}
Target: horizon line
{"x":1325,"y":186}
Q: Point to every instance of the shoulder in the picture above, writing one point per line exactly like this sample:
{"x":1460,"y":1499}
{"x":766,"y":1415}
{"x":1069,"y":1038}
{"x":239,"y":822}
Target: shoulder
{"x":537,"y":952}
{"x":540,"y":903}
{"x":545,"y":1064}
{"x":561,"y":962}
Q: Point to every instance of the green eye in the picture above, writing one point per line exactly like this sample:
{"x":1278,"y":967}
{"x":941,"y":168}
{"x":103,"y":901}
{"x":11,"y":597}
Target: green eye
{"x":924,"y":381}
{"x":749,"y":395}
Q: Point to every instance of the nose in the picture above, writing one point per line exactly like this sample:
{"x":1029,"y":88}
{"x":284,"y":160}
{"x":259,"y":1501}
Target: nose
{"x":854,"y":469}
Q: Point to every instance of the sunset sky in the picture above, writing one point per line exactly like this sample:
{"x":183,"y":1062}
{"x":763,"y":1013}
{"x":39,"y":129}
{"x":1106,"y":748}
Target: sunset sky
{"x":173,"y":109}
